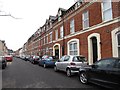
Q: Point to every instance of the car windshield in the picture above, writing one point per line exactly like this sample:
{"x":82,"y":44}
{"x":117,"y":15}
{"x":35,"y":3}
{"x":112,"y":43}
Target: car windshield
{"x":45,"y":56}
{"x":49,"y":58}
{"x":79,"y":59}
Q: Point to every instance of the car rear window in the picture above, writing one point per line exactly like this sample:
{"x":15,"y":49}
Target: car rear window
{"x":79,"y":59}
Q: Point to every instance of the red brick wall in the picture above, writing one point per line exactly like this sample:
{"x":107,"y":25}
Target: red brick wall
{"x":95,"y":17}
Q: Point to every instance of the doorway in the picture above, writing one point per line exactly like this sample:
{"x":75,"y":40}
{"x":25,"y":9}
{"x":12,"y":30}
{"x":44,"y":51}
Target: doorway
{"x":56,"y":51}
{"x":94,"y":49}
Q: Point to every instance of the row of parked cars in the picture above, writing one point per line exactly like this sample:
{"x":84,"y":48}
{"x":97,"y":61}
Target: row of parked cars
{"x":4,"y":60}
{"x":104,"y":72}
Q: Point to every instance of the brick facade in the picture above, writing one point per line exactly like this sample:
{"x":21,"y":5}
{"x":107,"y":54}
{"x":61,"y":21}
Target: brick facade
{"x":98,"y":29}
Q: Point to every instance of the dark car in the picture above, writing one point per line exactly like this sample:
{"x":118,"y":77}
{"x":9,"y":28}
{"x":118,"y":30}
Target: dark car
{"x":27,"y":57}
{"x":47,"y":61}
{"x":3,"y":62}
{"x":105,"y":72}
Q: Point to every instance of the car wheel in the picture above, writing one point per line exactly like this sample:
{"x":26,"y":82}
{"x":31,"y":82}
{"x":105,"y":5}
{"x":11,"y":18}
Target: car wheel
{"x":39,"y":64}
{"x":68,"y":72}
{"x":44,"y":65}
{"x":3,"y":67}
{"x":55,"y":69}
{"x":83,"y":78}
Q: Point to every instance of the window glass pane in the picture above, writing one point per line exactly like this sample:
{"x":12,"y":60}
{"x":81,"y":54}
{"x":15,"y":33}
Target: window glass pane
{"x":75,"y":45}
{"x":75,"y":52}
{"x":61,"y":31}
{"x":72,"y":26}
{"x":71,"y":53}
{"x":107,"y":10}
{"x":73,"y":48}
{"x":118,"y":36}
{"x":107,"y":15}
{"x":56,"y":34}
{"x":70,"y":46}
{"x":106,"y":5}
{"x":85,"y":15}
{"x":85,"y":20}
{"x":119,"y":52}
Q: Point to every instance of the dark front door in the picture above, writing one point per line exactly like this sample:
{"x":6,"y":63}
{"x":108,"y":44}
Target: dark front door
{"x":57,"y":53}
{"x":94,"y":47}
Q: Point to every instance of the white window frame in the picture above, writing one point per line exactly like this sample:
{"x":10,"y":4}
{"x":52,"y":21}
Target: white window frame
{"x":72,"y":49}
{"x":72,"y":26}
{"x":47,"y":38}
{"x":68,"y":46}
{"x":84,"y":19}
{"x":56,"y":34}
{"x":50,"y":37}
{"x":44,"y":40}
{"x":107,"y":10}
{"x":118,"y":46}
{"x":61,"y":31}
{"x":115,"y":42}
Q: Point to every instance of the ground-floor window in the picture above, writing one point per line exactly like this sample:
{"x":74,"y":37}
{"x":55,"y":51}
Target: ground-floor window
{"x":118,"y":39}
{"x":73,"y":47}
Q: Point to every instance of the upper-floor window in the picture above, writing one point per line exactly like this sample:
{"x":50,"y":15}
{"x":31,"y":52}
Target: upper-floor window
{"x":51,"y":37}
{"x":85,"y":17}
{"x":51,"y":24}
{"x":47,"y":27}
{"x":61,"y":32}
{"x":44,"y":39}
{"x":72,"y":29}
{"x":107,"y":10}
{"x":47,"y":39}
{"x":56,"y":34}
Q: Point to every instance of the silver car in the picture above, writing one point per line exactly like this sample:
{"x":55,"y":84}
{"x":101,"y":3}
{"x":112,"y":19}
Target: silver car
{"x":70,"y":64}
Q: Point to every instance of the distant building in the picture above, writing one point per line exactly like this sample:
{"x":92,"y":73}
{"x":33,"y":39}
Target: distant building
{"x":3,"y":48}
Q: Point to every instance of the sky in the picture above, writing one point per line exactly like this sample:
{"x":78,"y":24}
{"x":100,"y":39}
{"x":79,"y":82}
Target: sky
{"x":29,"y":16}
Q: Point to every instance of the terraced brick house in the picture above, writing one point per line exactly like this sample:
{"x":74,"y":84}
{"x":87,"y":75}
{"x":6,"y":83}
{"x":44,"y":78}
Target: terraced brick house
{"x":91,"y":29}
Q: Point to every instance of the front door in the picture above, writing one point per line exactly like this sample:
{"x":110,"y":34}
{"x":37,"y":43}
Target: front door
{"x":57,"y":53}
{"x":94,"y":49}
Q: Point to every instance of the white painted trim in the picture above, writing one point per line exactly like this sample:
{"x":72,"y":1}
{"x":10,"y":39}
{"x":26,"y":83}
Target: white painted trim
{"x":114,"y":42}
{"x":78,"y":47}
{"x":90,"y":53}
{"x":54,"y":49}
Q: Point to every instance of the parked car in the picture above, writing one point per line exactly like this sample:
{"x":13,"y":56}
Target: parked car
{"x":34,"y":59}
{"x":70,"y":64}
{"x":27,"y":57}
{"x":3,"y":62}
{"x":9,"y":58}
{"x":46,"y":61}
{"x":105,"y":72}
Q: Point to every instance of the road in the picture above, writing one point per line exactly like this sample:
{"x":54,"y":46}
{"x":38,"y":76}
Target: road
{"x":23,"y":74}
